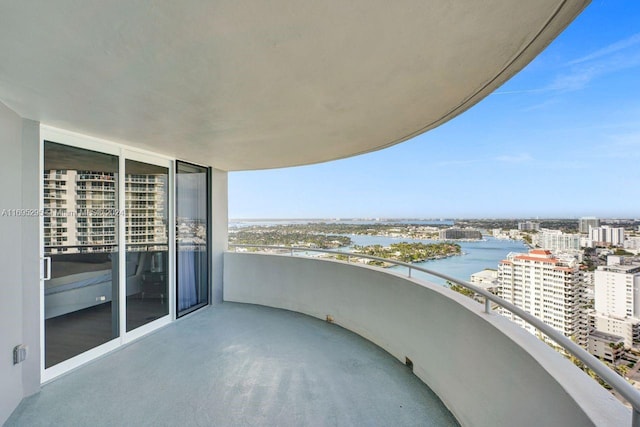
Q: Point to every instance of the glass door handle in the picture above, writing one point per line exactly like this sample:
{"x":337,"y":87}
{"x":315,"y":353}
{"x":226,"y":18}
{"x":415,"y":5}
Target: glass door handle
{"x":47,"y":273}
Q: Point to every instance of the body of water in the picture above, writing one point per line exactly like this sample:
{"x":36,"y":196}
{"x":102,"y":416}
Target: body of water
{"x":270,"y":223}
{"x":476,"y":256}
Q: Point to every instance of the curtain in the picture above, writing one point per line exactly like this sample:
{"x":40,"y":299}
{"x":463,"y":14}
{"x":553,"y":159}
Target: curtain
{"x":191,"y":221}
{"x":187,"y":280}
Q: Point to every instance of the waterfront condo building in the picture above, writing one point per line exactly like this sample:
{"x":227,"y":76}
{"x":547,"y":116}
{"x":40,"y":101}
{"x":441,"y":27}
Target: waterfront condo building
{"x":557,"y":241}
{"x":617,"y":299}
{"x":551,"y":288}
{"x":459,"y":234}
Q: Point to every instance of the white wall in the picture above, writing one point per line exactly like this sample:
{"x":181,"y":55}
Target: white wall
{"x":31,"y":323}
{"x":487,"y":371}
{"x":220,"y":220}
{"x":611,"y":293}
{"x":19,"y":285}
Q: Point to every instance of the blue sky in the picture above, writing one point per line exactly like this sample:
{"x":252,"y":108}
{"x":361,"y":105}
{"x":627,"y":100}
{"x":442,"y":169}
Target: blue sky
{"x":560,"y":139}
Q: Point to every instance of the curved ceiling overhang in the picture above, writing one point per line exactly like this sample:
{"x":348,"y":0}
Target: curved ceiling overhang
{"x":250,"y":85}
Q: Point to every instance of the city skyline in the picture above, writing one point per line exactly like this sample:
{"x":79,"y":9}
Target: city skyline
{"x":559,"y":140}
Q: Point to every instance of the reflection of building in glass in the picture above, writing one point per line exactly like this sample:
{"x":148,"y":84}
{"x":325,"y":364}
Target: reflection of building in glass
{"x":191,"y":232}
{"x":81,"y":210}
{"x":145,"y":197}
{"x":57,"y":199}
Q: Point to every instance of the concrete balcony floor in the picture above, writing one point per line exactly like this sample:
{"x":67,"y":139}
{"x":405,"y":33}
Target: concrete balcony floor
{"x":240,"y":364}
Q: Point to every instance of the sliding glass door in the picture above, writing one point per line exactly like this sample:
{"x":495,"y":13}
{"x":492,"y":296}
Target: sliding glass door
{"x":192,"y":237}
{"x":111,"y":272}
{"x":108,"y":268}
{"x":81,"y":218}
{"x":147,"y":242}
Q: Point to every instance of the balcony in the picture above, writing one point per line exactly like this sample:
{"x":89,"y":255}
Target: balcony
{"x":486,"y":370}
{"x":308,"y":341}
{"x":309,"y":95}
{"x":253,"y":366}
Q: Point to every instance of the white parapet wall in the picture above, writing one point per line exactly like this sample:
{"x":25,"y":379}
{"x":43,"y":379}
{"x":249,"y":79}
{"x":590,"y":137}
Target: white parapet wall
{"x":486,"y":370}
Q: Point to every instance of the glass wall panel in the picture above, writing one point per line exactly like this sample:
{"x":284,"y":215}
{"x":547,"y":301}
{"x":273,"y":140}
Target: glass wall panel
{"x":192,"y":242}
{"x":147,"y":238}
{"x":80,"y":237}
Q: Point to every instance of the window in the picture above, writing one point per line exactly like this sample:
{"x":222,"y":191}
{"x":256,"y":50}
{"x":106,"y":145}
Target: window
{"x":192,"y":237}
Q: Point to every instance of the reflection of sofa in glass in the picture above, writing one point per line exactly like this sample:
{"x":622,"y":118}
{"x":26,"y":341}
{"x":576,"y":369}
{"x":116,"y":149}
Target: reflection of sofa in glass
{"x":85,"y":280}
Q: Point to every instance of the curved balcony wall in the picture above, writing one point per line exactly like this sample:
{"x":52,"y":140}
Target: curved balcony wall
{"x":486,"y":370}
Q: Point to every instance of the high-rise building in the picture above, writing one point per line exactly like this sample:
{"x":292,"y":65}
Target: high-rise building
{"x":550,"y":288}
{"x":617,"y":299}
{"x":587,"y":221}
{"x":460,"y":234}
{"x":556,"y":240}
{"x":607,"y":235}
{"x":528,"y":226}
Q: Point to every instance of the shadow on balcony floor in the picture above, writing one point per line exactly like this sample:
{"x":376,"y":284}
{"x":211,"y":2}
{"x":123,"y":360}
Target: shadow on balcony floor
{"x":240,"y":364}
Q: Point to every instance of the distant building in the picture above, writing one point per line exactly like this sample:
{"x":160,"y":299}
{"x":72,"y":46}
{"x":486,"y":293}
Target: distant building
{"x":528,"y":226}
{"x":632,"y":243}
{"x":607,"y":236}
{"x":617,"y":299}
{"x":557,"y":241}
{"x":588,"y":221}
{"x":607,"y":347}
{"x":460,"y":233}
{"x":486,"y":279}
{"x":549,"y":288}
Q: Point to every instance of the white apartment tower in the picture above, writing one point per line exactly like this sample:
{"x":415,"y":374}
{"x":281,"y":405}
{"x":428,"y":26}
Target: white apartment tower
{"x":557,"y":241}
{"x":550,"y":288}
{"x":607,"y":235}
{"x":617,"y":299}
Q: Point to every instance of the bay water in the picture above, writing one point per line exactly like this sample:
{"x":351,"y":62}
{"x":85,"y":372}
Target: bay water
{"x":476,"y":256}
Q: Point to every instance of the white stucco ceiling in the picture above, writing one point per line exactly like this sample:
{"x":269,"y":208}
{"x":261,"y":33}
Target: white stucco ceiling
{"x":262,"y":84}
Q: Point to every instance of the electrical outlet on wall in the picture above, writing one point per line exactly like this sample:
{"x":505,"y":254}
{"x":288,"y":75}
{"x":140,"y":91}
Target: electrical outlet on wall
{"x":19,"y":353}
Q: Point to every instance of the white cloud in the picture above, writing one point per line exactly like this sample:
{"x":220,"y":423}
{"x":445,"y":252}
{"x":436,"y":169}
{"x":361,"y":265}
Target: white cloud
{"x":607,"y":50}
{"x":618,"y":56}
{"x":582,"y":74}
{"x":518,"y":158}
{"x":542,"y":105}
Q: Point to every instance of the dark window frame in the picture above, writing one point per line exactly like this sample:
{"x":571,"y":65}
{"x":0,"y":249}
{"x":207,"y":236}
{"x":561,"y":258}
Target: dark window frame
{"x":189,"y":310}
